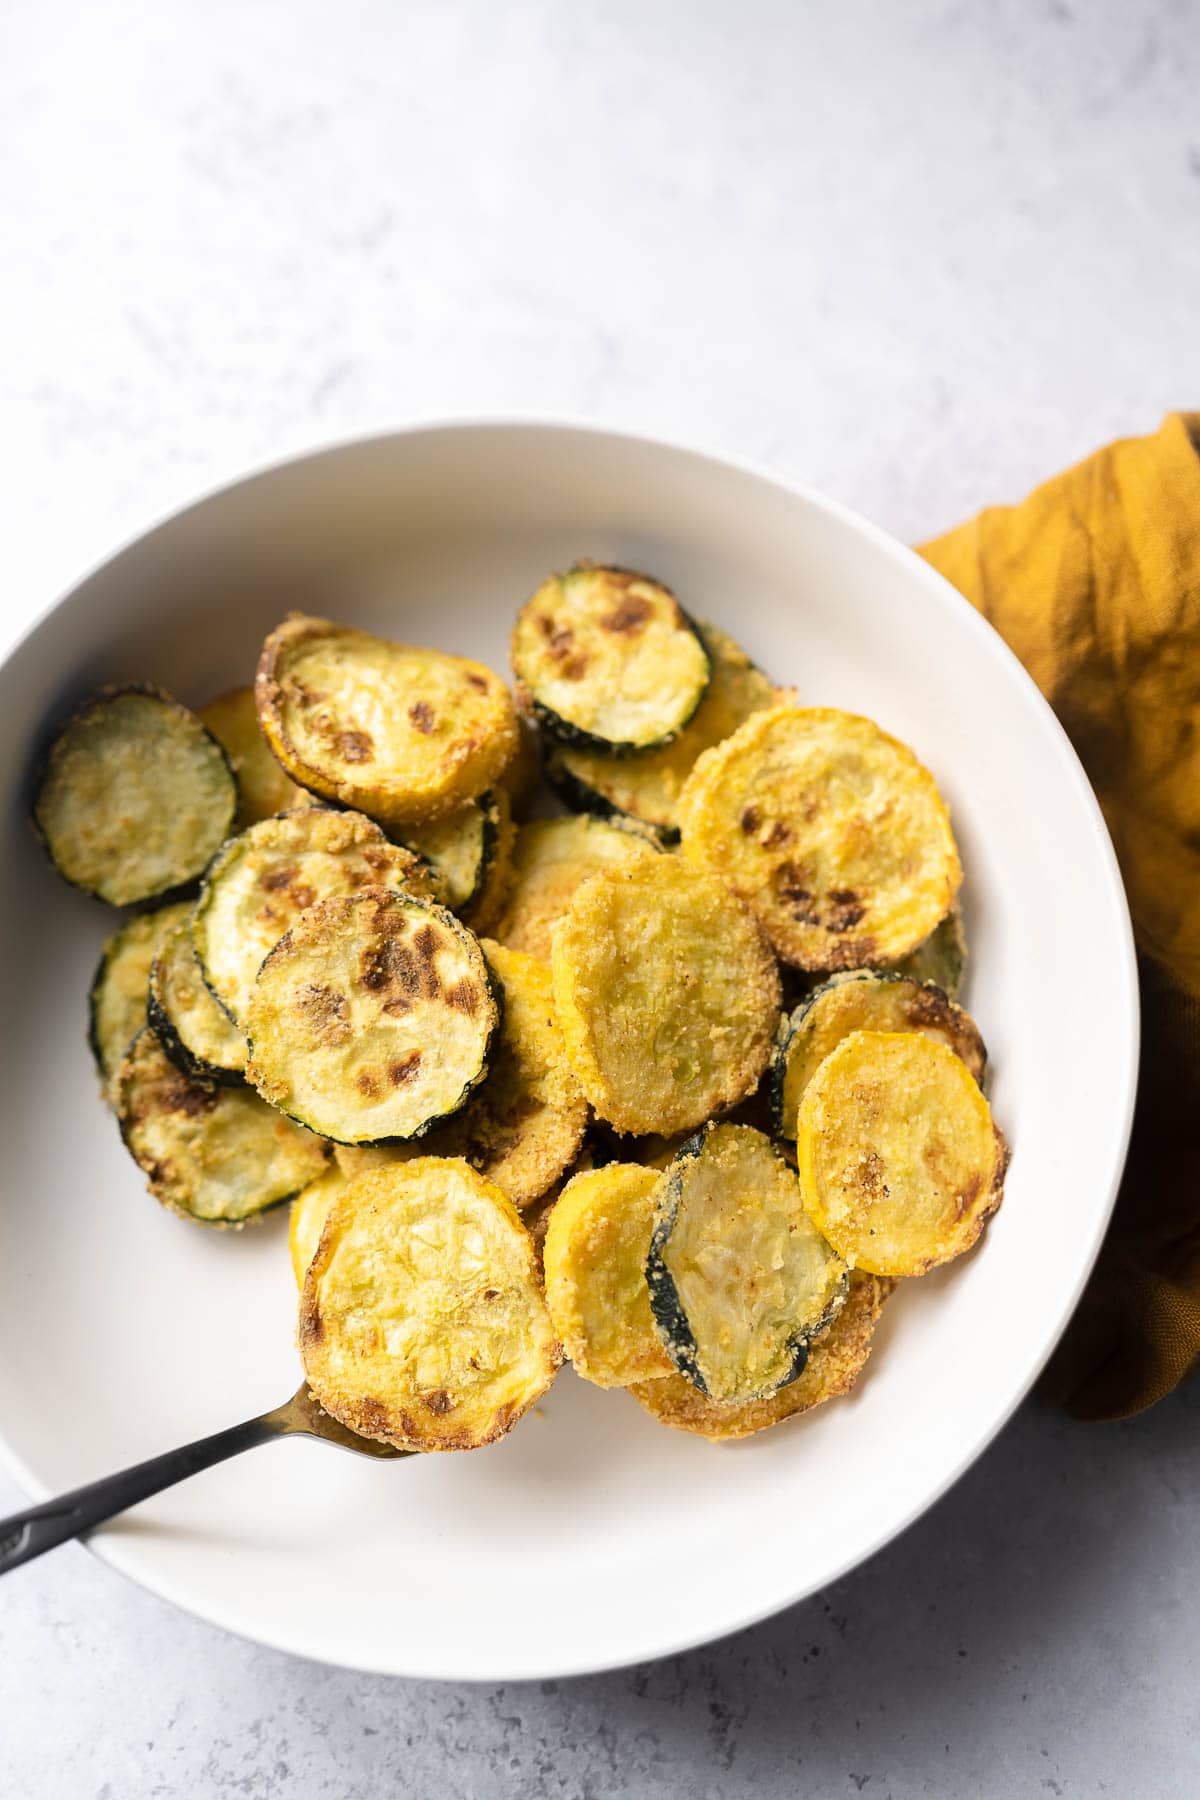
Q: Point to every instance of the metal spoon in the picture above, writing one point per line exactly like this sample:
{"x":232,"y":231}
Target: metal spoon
{"x":25,"y":1535}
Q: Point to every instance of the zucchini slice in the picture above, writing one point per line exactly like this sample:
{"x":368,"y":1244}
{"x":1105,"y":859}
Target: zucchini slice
{"x":608,"y":659}
{"x":741,"y":1279}
{"x":646,"y":788}
{"x":263,"y":788}
{"x":120,"y":986}
{"x":306,"y":1220}
{"x":835,"y":1361}
{"x":525,"y":1122}
{"x":372,"y":1018}
{"x":899,"y":1161}
{"x":597,"y":1241}
{"x":266,"y":877}
{"x":551,"y":859}
{"x":862,"y":1001}
{"x":189,"y":1021}
{"x":401,"y":734}
{"x":667,"y":995}
{"x":422,"y":1321}
{"x":942,"y":958}
{"x":135,"y":797}
{"x":469,"y":851}
{"x":213,"y":1154}
{"x":830,"y":829}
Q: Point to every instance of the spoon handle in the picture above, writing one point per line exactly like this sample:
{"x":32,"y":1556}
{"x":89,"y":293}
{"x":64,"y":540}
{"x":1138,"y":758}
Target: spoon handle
{"x":24,"y":1535}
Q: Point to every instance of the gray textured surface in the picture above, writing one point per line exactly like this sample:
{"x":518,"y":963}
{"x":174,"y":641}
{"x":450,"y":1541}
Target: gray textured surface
{"x":918,"y":253}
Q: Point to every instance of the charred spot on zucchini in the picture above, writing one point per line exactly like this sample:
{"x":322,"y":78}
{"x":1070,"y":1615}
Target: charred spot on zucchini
{"x":272,"y":872}
{"x":306,"y":1220}
{"x":863,"y":1000}
{"x":830,"y":829}
{"x":372,"y":1019}
{"x":189,"y":1021}
{"x":422,"y":1321}
{"x":836,"y":1359}
{"x":135,"y":796}
{"x":551,"y":859}
{"x":645,"y":788}
{"x":667,"y":995}
{"x":899,"y":1161}
{"x":263,"y":787}
{"x":214,"y":1154}
{"x":402,"y":734}
{"x":740,"y":1278}
{"x":942,"y":958}
{"x":597,"y":1241}
{"x":120,"y":987}
{"x":608,"y":659}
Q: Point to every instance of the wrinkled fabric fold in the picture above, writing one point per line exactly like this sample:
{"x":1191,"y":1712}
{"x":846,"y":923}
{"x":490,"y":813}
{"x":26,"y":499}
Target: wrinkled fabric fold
{"x":1094,"y":581}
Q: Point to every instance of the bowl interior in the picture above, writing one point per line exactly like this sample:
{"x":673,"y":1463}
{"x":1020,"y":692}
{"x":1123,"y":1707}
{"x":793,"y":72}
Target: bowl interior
{"x":592,"y":1536}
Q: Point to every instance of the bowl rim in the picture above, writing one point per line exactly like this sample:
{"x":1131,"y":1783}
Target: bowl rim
{"x":1122,"y":977}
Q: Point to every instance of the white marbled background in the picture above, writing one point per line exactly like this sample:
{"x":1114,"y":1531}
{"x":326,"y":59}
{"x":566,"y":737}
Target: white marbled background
{"x":919,"y":252}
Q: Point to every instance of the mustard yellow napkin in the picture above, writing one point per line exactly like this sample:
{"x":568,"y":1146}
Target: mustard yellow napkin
{"x":1094,"y":581}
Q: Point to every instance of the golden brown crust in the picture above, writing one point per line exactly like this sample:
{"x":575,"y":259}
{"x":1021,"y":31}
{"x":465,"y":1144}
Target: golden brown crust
{"x":835,"y":1362}
{"x":306,"y":1219}
{"x":551,"y":859}
{"x":830,"y":829}
{"x":400,"y":733}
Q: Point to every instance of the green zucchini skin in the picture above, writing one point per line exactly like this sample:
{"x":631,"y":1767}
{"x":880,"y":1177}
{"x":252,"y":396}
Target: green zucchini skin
{"x":489,"y":809}
{"x":160,"y":1024}
{"x":578,"y":797}
{"x":185,"y":889}
{"x":138,"y":924}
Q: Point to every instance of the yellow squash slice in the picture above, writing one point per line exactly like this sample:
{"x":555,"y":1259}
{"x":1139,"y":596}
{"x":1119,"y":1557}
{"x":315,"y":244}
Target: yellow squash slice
{"x":597,"y":1241}
{"x":667,"y":995}
{"x":524,"y":1124}
{"x":263,"y":788}
{"x":216,"y":1154}
{"x":306,"y":1220}
{"x":372,"y":1019}
{"x":121,"y":985}
{"x":862,"y":1001}
{"x":271,"y":873}
{"x":422,"y":1321}
{"x":552,"y":858}
{"x":399,"y":733}
{"x":835,"y":1361}
{"x":830,"y":829}
{"x":608,"y":658}
{"x":646,"y":788}
{"x":740,"y":1278}
{"x":899,"y":1161}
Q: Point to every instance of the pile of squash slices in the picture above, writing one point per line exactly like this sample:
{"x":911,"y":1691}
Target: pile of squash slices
{"x":674,"y":1084}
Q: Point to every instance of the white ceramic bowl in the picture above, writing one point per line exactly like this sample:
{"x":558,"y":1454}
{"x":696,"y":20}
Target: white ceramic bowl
{"x":591,"y":1537}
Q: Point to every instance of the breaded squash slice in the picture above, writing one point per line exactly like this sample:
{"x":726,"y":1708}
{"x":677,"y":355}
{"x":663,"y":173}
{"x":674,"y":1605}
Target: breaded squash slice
{"x":402,"y":734}
{"x":521,"y":776}
{"x":306,"y":1220}
{"x":524,"y":1124}
{"x":135,"y":796}
{"x":372,"y":1019}
{"x":862,"y":1001}
{"x":120,"y":987}
{"x":215,"y":1154}
{"x":552,"y":858}
{"x":667,"y":995}
{"x":899,"y":1161}
{"x":835,"y":1361}
{"x":942,"y":958}
{"x":830,"y":829}
{"x":740,"y":1279}
{"x":470,"y":853}
{"x":608,"y":659}
{"x":269,"y":874}
{"x":597,"y":1241}
{"x":263,"y":787}
{"x":646,"y":788}
{"x":189,"y":1021}
{"x":422,"y":1321}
